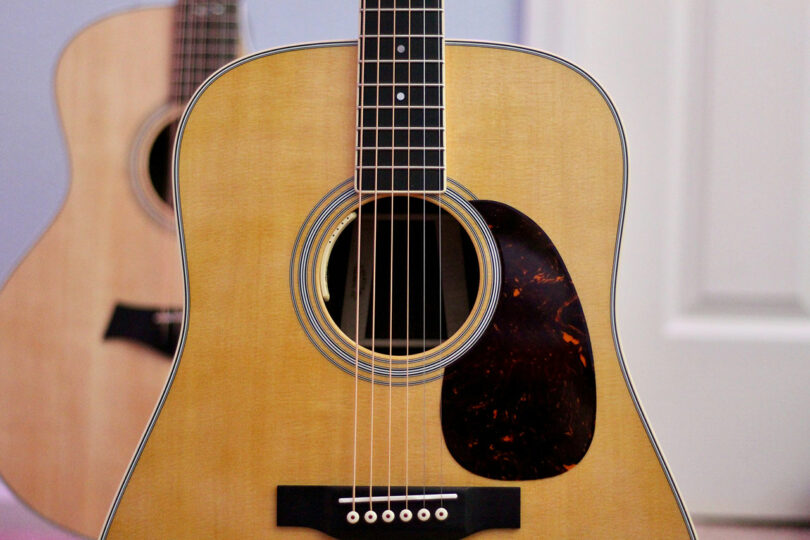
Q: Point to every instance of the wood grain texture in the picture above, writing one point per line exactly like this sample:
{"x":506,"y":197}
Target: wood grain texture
{"x":73,"y":406}
{"x":253,"y":405}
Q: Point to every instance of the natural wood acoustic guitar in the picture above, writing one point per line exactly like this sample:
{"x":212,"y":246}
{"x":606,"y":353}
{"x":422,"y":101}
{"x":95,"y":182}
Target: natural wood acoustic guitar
{"x":89,"y":319}
{"x":399,"y":304}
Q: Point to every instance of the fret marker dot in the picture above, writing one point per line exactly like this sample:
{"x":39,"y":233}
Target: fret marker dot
{"x":400,"y":96}
{"x":400,"y":48}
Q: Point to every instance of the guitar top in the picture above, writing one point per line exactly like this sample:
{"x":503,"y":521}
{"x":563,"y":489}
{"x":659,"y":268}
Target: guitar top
{"x":400,"y":302}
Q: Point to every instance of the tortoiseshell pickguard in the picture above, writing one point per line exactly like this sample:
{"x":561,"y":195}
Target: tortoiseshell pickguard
{"x":522,"y":403}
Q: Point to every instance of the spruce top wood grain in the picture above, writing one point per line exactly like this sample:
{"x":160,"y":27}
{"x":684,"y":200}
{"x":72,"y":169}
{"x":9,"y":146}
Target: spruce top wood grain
{"x":252,"y":404}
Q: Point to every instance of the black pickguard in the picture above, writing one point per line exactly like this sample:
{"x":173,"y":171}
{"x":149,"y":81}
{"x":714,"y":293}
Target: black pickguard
{"x":522,"y":403}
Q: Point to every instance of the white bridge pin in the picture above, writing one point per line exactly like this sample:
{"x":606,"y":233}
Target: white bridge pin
{"x":388,"y":516}
{"x":352,"y":517}
{"x":405,"y":515}
{"x":441,"y":513}
{"x":370,"y":516}
{"x":423,"y":514}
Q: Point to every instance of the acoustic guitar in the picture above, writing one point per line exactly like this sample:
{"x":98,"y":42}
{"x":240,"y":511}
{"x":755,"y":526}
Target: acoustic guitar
{"x":89,"y":320}
{"x":399,"y":303}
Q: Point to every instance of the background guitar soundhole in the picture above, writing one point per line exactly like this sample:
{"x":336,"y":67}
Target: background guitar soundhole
{"x":160,"y":162}
{"x":437,"y":308}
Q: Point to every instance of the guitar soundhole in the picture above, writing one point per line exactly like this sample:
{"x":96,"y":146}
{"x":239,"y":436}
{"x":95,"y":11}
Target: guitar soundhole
{"x":160,"y":162}
{"x":435,"y":276}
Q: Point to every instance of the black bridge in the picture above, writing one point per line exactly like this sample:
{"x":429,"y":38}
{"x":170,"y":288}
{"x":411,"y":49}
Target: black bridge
{"x":468,"y":510}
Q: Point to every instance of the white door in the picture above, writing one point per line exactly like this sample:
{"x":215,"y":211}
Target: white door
{"x":714,"y":287}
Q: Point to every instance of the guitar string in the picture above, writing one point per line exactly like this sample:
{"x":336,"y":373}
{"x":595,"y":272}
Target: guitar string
{"x":188,"y":52}
{"x":424,"y":265}
{"x":187,"y":49}
{"x":391,"y":254}
{"x":222,"y":44}
{"x":202,"y":16}
{"x":225,"y":50}
{"x":217,"y":22}
{"x":440,"y":32}
{"x":194,"y":56}
{"x":361,"y":45}
{"x":184,"y":46}
{"x":177,"y":44}
{"x":407,"y":263}
{"x":374,"y":262}
{"x":206,"y":38}
{"x":175,"y":82}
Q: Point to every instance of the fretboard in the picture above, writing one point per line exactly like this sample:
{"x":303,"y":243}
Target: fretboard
{"x":400,"y":113}
{"x":206,"y":35}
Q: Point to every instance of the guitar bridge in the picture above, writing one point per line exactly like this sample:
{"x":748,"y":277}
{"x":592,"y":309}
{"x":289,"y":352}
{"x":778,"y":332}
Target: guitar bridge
{"x":441,"y":513}
{"x":153,"y":327}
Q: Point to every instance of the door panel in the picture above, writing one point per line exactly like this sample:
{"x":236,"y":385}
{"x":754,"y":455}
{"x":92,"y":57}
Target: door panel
{"x":713,"y":297}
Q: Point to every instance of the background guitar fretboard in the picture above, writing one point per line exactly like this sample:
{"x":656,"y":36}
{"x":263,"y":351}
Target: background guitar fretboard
{"x":206,"y":36}
{"x":401,"y":99}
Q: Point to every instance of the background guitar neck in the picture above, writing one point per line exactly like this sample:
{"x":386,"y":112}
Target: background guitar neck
{"x":206,"y":37}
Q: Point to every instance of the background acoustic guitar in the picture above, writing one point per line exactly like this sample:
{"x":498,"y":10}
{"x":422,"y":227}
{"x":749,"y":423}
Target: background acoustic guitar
{"x":381,"y":341}
{"x":89,"y":319}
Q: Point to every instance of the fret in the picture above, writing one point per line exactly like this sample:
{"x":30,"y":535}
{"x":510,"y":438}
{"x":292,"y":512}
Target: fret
{"x":402,"y":137}
{"x":404,"y":178}
{"x":218,"y":23}
{"x":408,"y":47}
{"x":413,"y":4}
{"x":401,"y":72}
{"x":391,"y":35}
{"x":400,"y":107}
{"x":419,"y":94}
{"x":401,"y":158}
{"x":389,"y":148}
{"x":404,"y":9}
{"x":397,"y":167}
{"x":401,"y":118}
{"x":407,"y":22}
{"x":207,"y":39}
{"x":195,"y":75}
{"x":396,"y":85}
{"x":209,"y":57}
{"x":411,"y":47}
{"x":437,"y":61}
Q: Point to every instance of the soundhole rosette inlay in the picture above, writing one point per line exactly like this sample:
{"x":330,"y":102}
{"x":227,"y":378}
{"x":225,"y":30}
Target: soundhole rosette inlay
{"x":150,"y":165}
{"x":309,"y":261}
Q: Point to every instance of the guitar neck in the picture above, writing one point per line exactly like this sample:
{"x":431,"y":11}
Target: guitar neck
{"x":400,"y":117}
{"x":206,"y":35}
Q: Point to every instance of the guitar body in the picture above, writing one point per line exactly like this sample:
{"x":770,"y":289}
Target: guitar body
{"x":73,"y":404}
{"x":253,"y":403}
